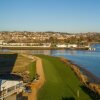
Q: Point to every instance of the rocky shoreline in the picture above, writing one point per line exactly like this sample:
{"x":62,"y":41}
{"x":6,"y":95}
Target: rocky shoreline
{"x":88,"y":80}
{"x":91,"y":77}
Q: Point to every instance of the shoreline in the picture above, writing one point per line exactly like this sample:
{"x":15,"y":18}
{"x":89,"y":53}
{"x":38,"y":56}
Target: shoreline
{"x":88,"y":79}
{"x":91,"y":77}
{"x":43,"y":48}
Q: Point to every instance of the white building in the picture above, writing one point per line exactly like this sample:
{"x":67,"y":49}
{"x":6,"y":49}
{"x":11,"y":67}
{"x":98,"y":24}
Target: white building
{"x":26,"y":44}
{"x":72,"y":45}
{"x":61,"y":45}
{"x":46,"y":44}
{"x":1,"y":42}
{"x":9,"y":87}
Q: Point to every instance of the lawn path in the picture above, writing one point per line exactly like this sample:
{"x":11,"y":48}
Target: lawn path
{"x":39,"y":83}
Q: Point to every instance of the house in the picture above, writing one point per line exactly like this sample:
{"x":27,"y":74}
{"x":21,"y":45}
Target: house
{"x":72,"y":45}
{"x":46,"y":44}
{"x":1,"y":42}
{"x":61,"y":45}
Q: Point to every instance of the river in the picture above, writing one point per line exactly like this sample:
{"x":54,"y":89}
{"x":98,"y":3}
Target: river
{"x":89,"y":60}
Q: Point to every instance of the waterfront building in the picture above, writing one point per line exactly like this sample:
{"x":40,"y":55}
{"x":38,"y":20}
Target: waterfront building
{"x":10,"y":86}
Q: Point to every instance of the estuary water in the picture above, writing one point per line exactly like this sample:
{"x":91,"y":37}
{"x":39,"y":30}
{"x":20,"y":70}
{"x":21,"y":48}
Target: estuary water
{"x":87,"y":59}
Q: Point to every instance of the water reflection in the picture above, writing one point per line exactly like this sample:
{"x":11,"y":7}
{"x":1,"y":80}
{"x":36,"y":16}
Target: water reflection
{"x":46,"y":52}
{"x":87,"y":59}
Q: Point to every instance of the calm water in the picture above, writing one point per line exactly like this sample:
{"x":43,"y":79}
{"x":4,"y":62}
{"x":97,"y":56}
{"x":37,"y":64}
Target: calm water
{"x":87,"y":59}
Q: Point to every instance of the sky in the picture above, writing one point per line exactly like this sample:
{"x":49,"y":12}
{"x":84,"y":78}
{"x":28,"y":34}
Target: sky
{"x":50,"y":15}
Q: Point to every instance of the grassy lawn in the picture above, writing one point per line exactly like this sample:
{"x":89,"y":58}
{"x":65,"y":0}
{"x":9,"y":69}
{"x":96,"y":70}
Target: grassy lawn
{"x":13,"y":62}
{"x":21,"y":64}
{"x":32,"y":70}
{"x":61,"y":83}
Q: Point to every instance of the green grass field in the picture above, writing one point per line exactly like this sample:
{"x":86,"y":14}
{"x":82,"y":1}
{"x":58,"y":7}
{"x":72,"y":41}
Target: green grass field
{"x":61,"y":83}
{"x":13,"y":62}
{"x":32,"y":70}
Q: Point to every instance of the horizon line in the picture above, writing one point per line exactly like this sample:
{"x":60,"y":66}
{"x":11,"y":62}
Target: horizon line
{"x":48,"y":31}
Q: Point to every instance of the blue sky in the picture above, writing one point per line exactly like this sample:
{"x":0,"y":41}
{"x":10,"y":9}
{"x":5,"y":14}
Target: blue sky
{"x":50,"y":15}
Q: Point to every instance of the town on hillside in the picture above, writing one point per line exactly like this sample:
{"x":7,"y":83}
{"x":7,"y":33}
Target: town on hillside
{"x":47,"y":39}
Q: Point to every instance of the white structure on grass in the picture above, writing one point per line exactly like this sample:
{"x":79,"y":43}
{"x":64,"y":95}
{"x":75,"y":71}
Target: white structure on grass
{"x":9,"y":87}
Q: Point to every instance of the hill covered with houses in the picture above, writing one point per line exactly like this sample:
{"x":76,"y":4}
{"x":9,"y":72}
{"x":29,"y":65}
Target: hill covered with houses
{"x":47,"y":39}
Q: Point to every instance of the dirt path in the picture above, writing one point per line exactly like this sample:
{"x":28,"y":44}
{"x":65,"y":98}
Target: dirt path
{"x":36,"y":86}
{"x":39,"y":83}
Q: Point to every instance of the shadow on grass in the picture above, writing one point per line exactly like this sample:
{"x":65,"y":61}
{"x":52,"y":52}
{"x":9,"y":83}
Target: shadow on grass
{"x":7,"y":62}
{"x":68,"y":98}
{"x":92,"y":95}
{"x":12,"y":77}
